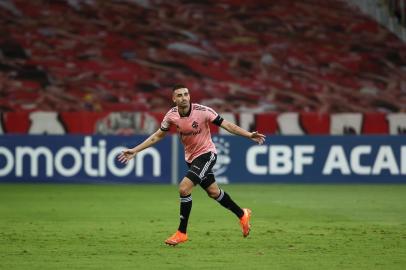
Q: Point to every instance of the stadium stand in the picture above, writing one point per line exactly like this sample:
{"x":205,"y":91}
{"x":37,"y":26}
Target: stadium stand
{"x":235,"y":55}
{"x":389,"y":13}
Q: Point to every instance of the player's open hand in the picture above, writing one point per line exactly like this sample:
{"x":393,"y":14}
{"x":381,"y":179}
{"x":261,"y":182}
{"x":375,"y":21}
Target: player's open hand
{"x":258,"y":137}
{"x":126,"y":155}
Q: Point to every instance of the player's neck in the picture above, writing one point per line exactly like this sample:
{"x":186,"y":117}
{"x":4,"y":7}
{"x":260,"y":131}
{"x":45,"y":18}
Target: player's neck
{"x":185,"y":111}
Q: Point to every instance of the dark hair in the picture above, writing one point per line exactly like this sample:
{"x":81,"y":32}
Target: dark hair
{"x":178,"y":86}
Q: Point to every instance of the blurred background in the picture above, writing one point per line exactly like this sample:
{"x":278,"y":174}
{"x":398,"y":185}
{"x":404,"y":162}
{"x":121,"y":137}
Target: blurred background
{"x":325,"y":80}
{"x":260,"y":56}
{"x":87,"y":67}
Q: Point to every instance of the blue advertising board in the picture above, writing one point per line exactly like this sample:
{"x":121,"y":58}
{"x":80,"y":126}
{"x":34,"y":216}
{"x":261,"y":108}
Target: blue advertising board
{"x":81,"y":159}
{"x":282,"y":159}
{"x":309,"y":159}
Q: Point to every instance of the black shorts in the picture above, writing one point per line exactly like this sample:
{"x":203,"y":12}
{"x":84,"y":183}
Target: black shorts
{"x":200,"y":170}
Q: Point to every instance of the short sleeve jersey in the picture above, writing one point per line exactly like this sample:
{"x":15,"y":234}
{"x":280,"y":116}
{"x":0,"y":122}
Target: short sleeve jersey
{"x":193,"y":130}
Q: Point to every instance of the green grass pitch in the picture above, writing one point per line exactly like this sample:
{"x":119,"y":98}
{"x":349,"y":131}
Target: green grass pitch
{"x":124,"y":226}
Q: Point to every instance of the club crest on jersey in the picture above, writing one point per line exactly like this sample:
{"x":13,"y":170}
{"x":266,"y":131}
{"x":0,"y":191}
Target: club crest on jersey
{"x":195,"y":125}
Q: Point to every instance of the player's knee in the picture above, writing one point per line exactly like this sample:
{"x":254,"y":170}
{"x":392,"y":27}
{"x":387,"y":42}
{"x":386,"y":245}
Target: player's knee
{"x":185,"y":187}
{"x":213,"y":193}
{"x":184,"y":191}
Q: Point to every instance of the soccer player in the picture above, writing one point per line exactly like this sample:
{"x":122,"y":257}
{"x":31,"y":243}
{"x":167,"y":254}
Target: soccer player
{"x":192,"y":124}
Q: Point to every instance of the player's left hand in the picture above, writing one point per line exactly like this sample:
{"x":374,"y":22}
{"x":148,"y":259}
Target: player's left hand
{"x":258,"y":137}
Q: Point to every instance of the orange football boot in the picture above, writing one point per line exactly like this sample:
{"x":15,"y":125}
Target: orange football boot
{"x":176,"y":238}
{"x":245,"y":222}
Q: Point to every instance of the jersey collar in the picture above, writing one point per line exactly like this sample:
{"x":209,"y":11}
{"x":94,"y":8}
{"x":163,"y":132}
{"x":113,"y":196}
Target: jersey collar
{"x":188,"y":113}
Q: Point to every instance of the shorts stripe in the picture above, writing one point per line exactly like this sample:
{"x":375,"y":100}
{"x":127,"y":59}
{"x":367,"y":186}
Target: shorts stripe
{"x":207,"y":165}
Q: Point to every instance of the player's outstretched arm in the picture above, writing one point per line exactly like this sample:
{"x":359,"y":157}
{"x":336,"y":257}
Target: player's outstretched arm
{"x":234,"y":129}
{"x":127,"y":154}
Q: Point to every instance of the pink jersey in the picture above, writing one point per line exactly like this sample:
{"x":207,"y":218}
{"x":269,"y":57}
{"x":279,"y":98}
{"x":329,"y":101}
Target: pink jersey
{"x":193,"y":130}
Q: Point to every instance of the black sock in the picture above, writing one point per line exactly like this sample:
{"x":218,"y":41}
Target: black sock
{"x":225,"y":200}
{"x":185,"y":208}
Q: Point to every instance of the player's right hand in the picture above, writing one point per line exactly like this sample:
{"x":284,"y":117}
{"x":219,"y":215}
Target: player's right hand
{"x":126,"y":155}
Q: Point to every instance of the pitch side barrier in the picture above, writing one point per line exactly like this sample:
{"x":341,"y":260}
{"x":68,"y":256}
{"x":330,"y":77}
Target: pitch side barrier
{"x":282,"y":159}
